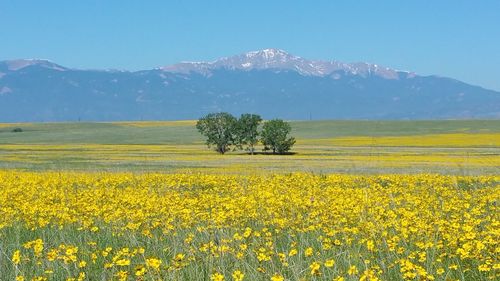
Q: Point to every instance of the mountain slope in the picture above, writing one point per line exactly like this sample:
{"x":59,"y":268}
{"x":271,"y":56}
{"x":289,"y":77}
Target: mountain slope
{"x":270,"y":82}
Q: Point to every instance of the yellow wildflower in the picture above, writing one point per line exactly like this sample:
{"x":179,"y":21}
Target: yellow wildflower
{"x":308,"y":252}
{"x":238,"y":275}
{"x":277,"y":277}
{"x":217,"y":277}
{"x":353,"y":270}
{"x":16,"y":257}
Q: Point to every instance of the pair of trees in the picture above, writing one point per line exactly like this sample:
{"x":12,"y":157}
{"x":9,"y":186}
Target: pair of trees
{"x":223,"y":130}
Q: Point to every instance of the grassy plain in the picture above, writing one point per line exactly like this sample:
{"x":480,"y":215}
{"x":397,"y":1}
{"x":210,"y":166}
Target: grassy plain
{"x":359,"y":200}
{"x":453,"y":147}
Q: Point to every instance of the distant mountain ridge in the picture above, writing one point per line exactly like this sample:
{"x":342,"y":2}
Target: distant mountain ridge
{"x":279,"y":59}
{"x":270,"y":82}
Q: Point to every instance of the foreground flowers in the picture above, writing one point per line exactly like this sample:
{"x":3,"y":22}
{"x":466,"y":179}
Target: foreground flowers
{"x":84,"y":226}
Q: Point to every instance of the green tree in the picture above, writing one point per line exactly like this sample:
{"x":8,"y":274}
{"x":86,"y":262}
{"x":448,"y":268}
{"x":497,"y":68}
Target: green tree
{"x":247,"y":131}
{"x":219,"y":129}
{"x":274,"y":136}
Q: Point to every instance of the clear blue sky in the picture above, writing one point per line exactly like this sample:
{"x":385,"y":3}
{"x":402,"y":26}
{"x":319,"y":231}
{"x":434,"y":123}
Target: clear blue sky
{"x":455,"y":38}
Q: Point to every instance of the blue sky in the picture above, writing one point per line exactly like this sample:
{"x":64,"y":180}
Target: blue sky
{"x":459,"y":39}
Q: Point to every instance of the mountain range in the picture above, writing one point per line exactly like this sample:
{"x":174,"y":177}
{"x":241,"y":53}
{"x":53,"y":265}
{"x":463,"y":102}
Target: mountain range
{"x":269,"y":82}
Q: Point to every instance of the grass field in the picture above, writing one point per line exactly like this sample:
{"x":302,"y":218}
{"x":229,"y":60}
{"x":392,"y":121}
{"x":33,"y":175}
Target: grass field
{"x":358,"y":200}
{"x":453,"y":147}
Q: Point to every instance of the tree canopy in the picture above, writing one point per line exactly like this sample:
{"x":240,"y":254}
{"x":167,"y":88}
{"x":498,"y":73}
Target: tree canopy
{"x":247,"y":131}
{"x":223,"y":131}
{"x":219,"y":128}
{"x":274,"y":136}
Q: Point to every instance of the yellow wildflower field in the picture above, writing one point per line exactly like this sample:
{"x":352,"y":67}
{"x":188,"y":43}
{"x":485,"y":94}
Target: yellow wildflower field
{"x":435,"y":140}
{"x":14,"y":125}
{"x":463,"y":147}
{"x":200,"y":226}
{"x":197,"y":158}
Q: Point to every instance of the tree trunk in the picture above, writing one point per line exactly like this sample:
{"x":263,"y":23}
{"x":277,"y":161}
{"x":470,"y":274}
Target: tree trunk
{"x":221,"y":150}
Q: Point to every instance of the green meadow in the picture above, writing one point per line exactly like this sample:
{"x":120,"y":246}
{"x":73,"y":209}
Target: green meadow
{"x":450,"y":147}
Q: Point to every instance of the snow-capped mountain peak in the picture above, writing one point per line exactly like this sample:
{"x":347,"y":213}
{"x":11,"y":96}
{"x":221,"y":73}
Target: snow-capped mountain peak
{"x":269,"y":54}
{"x":278,"y":59}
